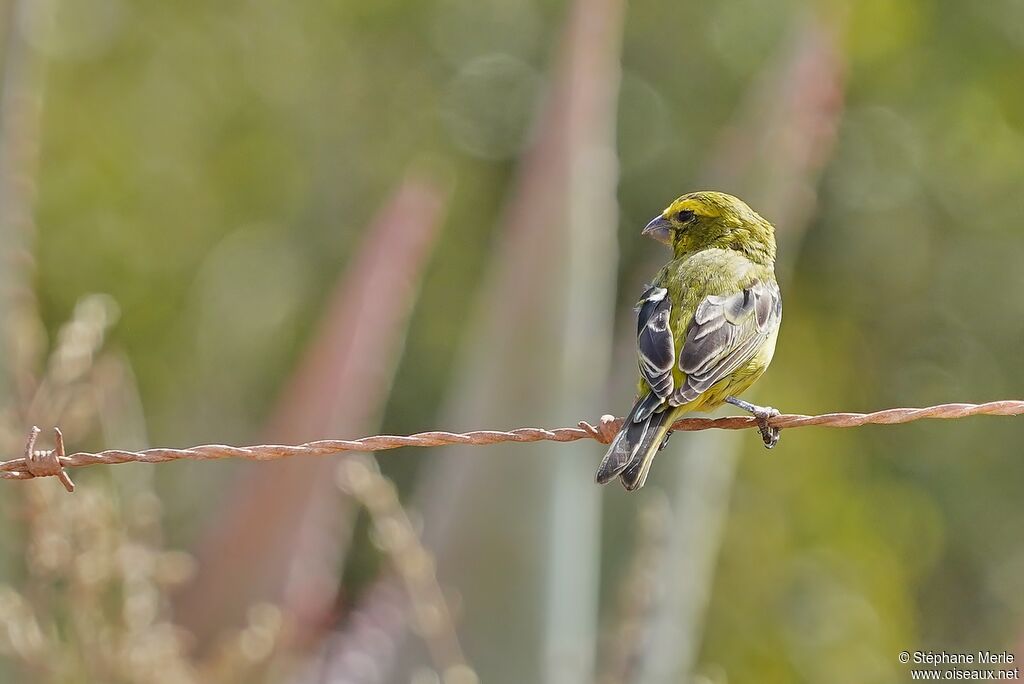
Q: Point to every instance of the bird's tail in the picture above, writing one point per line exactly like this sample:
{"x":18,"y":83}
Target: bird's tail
{"x":632,"y":451}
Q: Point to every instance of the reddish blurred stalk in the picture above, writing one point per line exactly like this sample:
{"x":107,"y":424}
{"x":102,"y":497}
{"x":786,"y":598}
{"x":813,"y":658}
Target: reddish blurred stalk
{"x":279,"y":535}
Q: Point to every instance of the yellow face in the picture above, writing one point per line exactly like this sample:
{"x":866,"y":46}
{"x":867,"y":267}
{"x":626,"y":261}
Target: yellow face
{"x":700,"y":220}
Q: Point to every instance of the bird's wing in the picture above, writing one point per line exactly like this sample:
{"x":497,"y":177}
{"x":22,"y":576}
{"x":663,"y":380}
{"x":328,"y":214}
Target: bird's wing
{"x":655,"y":345}
{"x":656,"y":354}
{"x":725,"y":333}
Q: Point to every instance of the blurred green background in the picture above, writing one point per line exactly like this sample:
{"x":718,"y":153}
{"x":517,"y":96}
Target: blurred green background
{"x":216,"y":168}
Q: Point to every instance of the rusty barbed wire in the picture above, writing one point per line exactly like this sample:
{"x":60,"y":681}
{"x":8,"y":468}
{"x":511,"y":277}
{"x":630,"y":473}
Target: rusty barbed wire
{"x":26,"y":468}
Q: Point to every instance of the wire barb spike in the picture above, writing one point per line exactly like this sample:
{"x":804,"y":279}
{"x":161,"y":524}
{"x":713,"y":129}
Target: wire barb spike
{"x":46,"y":462}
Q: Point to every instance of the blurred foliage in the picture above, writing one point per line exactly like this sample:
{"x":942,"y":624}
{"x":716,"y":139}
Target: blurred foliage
{"x":211,"y":166}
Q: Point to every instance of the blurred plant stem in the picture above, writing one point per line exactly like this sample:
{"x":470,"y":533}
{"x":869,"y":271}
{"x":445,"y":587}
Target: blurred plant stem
{"x":90,"y":603}
{"x":21,"y":108}
{"x":550,"y":287}
{"x":588,"y":81}
{"x":621,"y":646}
{"x":283,"y":525}
{"x":772,"y":156}
{"x":394,"y":533}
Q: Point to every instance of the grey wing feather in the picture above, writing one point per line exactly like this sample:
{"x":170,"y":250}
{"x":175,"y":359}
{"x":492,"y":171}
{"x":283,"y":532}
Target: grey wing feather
{"x":726,"y":332}
{"x":654,"y":343}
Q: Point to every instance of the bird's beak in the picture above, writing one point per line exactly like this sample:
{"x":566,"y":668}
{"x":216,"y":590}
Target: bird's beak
{"x":659,"y":229}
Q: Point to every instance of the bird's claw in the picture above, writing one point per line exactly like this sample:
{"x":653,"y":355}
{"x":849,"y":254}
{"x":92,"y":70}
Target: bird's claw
{"x":769,"y":434}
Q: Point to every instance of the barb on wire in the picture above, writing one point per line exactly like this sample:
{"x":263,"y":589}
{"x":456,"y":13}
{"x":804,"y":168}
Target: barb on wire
{"x":45,"y":463}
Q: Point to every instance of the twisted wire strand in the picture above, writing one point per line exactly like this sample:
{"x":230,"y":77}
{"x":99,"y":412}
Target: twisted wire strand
{"x":604,"y":431}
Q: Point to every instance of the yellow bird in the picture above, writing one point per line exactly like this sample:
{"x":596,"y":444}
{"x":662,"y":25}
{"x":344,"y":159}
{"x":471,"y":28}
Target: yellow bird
{"x":706,"y":326}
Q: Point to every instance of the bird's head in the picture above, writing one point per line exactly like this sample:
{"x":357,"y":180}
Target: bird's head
{"x":701,"y":220}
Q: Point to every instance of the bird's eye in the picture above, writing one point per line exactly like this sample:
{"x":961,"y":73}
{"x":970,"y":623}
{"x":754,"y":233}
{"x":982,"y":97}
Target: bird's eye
{"x":684,"y":215}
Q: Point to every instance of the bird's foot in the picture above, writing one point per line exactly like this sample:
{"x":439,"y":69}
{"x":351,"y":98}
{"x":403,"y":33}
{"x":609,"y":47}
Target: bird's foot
{"x":762,"y":414}
{"x":770,"y":435}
